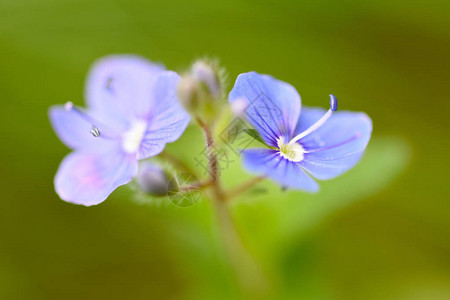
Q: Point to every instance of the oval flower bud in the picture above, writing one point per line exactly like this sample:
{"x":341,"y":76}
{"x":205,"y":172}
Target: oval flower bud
{"x":207,"y":74}
{"x":200,"y":90}
{"x":154,"y":181}
{"x":187,"y":94}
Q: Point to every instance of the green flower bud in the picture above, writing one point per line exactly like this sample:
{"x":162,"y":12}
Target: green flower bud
{"x":200,"y":91}
{"x":207,"y":76}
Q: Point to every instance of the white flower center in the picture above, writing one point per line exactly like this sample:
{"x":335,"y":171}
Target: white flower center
{"x":291,"y":151}
{"x":133,"y":137}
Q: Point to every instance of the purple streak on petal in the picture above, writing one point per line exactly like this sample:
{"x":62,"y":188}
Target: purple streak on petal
{"x":119,"y":88}
{"x":265,"y":131}
{"x":273,"y":105}
{"x":327,"y":169}
{"x":168,"y":120}
{"x":89,"y":179}
{"x":336,"y":146}
{"x":74,"y":130}
{"x":288,"y":174}
{"x":266,"y":104}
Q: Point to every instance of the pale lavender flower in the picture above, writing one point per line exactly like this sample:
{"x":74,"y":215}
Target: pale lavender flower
{"x":301,"y":141}
{"x":132,"y":113}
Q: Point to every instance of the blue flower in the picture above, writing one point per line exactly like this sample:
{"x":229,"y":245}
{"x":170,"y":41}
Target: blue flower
{"x":302,"y":141}
{"x":133,"y":112}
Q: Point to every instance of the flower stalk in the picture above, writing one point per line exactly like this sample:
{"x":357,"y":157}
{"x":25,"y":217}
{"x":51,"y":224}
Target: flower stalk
{"x":213,"y":164}
{"x":251,"y":277}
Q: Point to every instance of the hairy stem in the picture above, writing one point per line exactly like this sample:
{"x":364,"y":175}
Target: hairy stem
{"x":213,"y":164}
{"x":252,"y":279}
{"x":195,"y":186}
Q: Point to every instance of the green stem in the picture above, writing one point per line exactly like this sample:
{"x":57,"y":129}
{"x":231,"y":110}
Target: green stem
{"x":213,"y":164}
{"x":252,"y":279}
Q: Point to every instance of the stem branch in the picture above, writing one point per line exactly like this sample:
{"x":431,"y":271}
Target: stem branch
{"x":244,"y":187}
{"x":195,"y":186}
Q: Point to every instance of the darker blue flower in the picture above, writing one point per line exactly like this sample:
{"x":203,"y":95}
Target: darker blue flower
{"x":301,"y":141}
{"x":133,"y":111}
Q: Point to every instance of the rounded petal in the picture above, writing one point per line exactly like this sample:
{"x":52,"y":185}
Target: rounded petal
{"x":273,"y":106}
{"x":89,"y":179}
{"x":288,"y":174}
{"x":119,"y":87}
{"x":74,"y":130}
{"x":168,"y":120}
{"x":337,"y":145}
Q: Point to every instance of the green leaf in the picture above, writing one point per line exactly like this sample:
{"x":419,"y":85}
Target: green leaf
{"x":254,"y":134}
{"x":276,"y":217}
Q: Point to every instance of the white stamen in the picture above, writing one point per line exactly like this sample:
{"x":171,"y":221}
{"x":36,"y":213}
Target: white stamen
{"x":313,"y":127}
{"x":293,"y":152}
{"x":333,"y":102}
{"x":68,"y":106}
{"x":133,"y":137}
{"x":320,"y":122}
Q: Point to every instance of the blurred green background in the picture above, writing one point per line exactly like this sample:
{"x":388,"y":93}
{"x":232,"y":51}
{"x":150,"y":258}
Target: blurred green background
{"x":381,"y":231}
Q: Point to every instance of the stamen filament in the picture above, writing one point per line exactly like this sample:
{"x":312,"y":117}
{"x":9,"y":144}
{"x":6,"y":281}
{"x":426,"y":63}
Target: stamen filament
{"x":313,"y":127}
{"x":319,"y":123}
